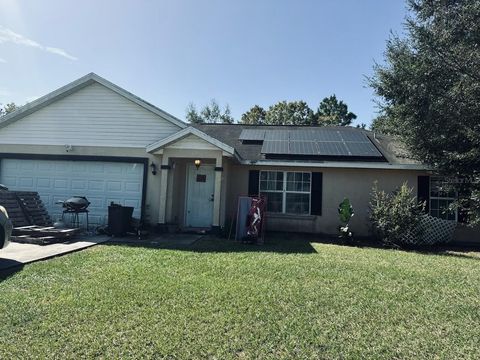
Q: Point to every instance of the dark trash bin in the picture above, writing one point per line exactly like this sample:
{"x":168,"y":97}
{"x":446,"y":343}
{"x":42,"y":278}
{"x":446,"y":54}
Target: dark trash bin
{"x":119,"y":219}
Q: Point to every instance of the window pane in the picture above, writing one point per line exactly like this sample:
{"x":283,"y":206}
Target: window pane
{"x":297,"y":203}
{"x":298,"y":182}
{"x":274,"y":201}
{"x":271,"y":180}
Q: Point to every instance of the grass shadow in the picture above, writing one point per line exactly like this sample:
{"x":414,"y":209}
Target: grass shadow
{"x":275,"y":243}
{"x":8,"y":267}
{"x":288,"y":243}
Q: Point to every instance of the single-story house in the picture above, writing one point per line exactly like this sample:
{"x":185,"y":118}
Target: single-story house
{"x":95,"y":139}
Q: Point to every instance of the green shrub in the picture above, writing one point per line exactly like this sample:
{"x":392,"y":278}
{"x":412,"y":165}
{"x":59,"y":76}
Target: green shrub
{"x":345,"y":212}
{"x":395,"y":215}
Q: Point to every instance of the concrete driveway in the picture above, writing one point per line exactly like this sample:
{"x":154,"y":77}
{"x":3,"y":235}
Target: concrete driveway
{"x":16,"y":254}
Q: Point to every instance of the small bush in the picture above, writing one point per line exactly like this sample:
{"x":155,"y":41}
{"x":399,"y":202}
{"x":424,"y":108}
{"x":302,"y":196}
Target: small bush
{"x":345,"y":213}
{"x":395,"y":215}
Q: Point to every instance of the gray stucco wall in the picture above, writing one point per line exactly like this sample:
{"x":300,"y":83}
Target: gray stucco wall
{"x":354,"y":184}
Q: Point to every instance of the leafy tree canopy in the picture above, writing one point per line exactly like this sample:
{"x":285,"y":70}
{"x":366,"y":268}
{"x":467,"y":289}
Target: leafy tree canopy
{"x":8,"y":108}
{"x":289,"y":113}
{"x":430,"y":89}
{"x":330,"y":112}
{"x":334,"y":112}
{"x":384,"y":124}
{"x":210,"y":113}
{"x":256,"y":115}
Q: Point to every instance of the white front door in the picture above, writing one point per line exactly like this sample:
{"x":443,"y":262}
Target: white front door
{"x":199,"y":200}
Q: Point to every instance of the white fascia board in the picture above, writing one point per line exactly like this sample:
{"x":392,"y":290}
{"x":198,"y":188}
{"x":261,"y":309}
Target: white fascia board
{"x":345,"y":165}
{"x":184,"y":133}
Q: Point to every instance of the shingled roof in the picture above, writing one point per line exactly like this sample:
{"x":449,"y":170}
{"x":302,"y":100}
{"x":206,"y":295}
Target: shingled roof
{"x":392,"y":149}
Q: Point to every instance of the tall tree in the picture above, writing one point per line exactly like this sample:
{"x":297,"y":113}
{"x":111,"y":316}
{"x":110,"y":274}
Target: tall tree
{"x":210,"y":113}
{"x":192,"y":114}
{"x":289,"y":113}
{"x":8,"y":108}
{"x":255,"y":116}
{"x":430,"y":89}
{"x":384,"y":124}
{"x":334,"y":112}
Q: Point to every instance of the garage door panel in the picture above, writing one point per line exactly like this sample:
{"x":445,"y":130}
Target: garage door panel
{"x":133,"y":186}
{"x":9,"y":181}
{"x":26,"y":166}
{"x":10,"y":166}
{"x":100,"y":182}
{"x":115,"y":169}
{"x":45,"y":166}
{"x":135,"y":169}
{"x":62,"y":167}
{"x":78,"y":184}
{"x":79,"y":168}
{"x":96,"y":185}
{"x":26,"y":182}
{"x":44,"y":183}
{"x":61,"y":184}
{"x":114,"y":186}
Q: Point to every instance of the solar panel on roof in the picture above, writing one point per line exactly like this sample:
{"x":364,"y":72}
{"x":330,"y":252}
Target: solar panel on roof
{"x":276,"y":135}
{"x":303,"y":135}
{"x":275,"y":147}
{"x":252,"y":134}
{"x":313,"y":141}
{"x":332,"y":149}
{"x":327,"y":135}
{"x":362,"y":149}
{"x":303,"y":148}
{"x":348,"y":136}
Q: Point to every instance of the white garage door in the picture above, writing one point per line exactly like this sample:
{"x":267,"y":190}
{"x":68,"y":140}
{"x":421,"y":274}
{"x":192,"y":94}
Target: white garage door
{"x":54,"y":180}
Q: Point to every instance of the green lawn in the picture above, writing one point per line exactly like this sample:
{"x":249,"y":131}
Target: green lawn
{"x":222,"y":300}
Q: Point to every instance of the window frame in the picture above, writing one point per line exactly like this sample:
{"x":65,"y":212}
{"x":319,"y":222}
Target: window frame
{"x":448,"y":198}
{"x":284,"y":190}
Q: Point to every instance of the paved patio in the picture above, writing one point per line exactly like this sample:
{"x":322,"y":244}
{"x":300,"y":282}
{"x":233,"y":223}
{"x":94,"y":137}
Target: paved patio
{"x":16,"y":254}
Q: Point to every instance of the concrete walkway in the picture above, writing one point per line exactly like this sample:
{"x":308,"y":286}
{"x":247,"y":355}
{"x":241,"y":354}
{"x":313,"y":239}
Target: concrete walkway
{"x":16,"y":254}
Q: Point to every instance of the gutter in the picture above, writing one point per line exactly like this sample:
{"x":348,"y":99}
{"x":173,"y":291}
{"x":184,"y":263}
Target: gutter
{"x":337,"y":164}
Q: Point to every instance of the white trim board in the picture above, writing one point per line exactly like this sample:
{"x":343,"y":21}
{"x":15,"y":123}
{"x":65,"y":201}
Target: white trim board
{"x":338,"y":164}
{"x":186,"y":132}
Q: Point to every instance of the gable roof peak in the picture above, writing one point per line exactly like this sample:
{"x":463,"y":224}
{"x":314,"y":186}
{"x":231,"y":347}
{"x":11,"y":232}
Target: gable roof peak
{"x":76,"y":85}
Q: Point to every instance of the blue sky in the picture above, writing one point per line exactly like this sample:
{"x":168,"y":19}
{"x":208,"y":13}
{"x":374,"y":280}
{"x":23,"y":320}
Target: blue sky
{"x":174,"y":52}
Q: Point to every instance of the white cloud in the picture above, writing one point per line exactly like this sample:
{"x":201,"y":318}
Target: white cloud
{"x":60,"y":52}
{"x":3,"y":60}
{"x":9,"y":36}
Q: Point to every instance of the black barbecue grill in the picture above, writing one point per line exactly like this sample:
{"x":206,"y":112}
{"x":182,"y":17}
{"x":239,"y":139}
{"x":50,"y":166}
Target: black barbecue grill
{"x":74,"y":206}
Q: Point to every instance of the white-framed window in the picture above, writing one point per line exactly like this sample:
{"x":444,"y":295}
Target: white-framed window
{"x":441,"y":197}
{"x":286,"y":191}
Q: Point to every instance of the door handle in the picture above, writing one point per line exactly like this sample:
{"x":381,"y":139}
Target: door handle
{"x":211,"y":197}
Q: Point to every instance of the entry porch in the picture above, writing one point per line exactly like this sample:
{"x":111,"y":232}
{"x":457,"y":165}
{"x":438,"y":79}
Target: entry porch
{"x":193,"y":170}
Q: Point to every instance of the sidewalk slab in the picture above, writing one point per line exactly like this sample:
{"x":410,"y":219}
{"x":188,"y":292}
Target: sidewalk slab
{"x":16,"y":254}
